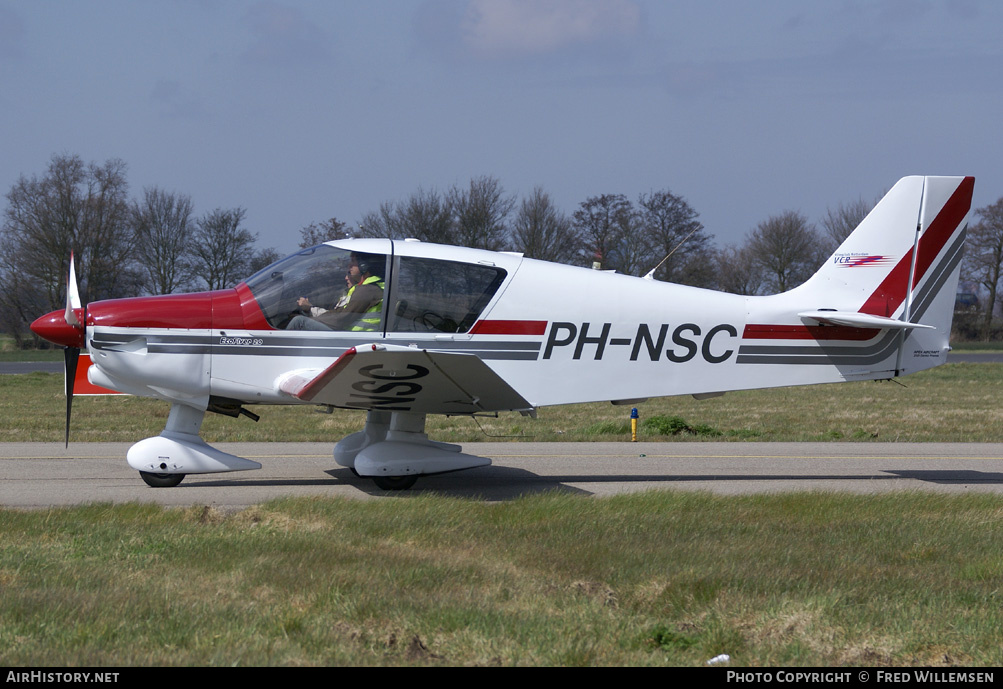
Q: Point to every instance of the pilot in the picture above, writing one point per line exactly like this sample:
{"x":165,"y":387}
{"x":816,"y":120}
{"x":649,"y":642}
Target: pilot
{"x":304,"y":302}
{"x":359,"y":310}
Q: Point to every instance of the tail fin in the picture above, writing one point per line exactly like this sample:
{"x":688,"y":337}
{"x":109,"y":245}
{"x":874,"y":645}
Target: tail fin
{"x":908,"y":237}
{"x":891,"y":284}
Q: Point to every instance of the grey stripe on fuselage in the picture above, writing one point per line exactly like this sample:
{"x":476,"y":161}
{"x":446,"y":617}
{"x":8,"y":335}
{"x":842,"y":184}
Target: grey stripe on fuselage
{"x":272,"y":345}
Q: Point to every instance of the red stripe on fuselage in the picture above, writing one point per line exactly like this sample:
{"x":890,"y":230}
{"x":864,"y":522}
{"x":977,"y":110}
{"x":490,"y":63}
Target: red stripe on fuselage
{"x":509,"y":328}
{"x":807,"y":332}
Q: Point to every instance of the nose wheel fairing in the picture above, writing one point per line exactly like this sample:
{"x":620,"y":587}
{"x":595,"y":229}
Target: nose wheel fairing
{"x":176,"y":453}
{"x":180,"y":450}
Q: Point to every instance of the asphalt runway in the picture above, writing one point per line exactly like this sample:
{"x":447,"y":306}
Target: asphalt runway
{"x":40,"y":475}
{"x":18,"y":367}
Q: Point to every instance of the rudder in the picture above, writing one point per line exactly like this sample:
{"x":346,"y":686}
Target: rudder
{"x":937,"y":269}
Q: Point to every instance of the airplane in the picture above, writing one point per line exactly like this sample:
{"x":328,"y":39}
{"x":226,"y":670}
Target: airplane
{"x":462,"y":331}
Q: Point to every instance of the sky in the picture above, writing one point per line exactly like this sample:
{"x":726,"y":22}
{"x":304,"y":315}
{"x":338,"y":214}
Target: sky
{"x":300,"y":111}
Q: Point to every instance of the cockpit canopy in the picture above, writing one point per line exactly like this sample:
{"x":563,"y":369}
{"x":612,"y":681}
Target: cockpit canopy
{"x":420,"y":294}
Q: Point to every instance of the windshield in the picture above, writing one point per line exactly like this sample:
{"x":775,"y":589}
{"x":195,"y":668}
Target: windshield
{"x":331,"y":288}
{"x":315,"y":278}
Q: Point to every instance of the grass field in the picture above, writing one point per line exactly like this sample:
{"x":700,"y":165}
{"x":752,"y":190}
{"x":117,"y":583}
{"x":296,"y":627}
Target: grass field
{"x":661,"y":578}
{"x":951,"y":403}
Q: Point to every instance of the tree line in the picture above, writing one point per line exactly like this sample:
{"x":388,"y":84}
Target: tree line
{"x":157,"y":244}
{"x":122,"y":247}
{"x":658,"y":233}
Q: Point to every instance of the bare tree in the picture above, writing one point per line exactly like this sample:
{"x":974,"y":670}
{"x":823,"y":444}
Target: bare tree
{"x":20,"y":302}
{"x":480,"y":214}
{"x":632,"y":254}
{"x":326,"y":231}
{"x":163,"y":228}
{"x":221,"y":249}
{"x":39,"y":232}
{"x":475,"y":216}
{"x":262,"y":259}
{"x":73,"y":207}
{"x":983,"y":260}
{"x":840,"y":221}
{"x":425,"y":215}
{"x":788,"y":248}
{"x":600,"y":221}
{"x":106,"y":233}
{"x":738,"y":272}
{"x":384,"y":222}
{"x":542,"y":231}
{"x":671,"y":227}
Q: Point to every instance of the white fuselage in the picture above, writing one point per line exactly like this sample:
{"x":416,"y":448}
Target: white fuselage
{"x":557,"y":334}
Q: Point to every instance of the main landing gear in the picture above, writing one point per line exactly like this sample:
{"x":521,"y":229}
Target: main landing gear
{"x":392,"y":450}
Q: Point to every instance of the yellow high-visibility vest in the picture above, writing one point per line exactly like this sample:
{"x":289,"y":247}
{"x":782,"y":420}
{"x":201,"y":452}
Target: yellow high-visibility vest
{"x":371,"y":322}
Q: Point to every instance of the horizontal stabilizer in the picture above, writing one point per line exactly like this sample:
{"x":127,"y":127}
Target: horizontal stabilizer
{"x":860,"y":320}
{"x":405,"y":379}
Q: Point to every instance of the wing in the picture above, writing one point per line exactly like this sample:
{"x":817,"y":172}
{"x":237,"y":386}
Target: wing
{"x":405,"y":379}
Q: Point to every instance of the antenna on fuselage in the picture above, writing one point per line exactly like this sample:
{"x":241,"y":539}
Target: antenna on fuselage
{"x":651,"y":273}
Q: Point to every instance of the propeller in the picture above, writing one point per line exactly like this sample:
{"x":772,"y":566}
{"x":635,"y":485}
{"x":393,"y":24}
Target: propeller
{"x":70,"y":357}
{"x":71,"y":354}
{"x":66,"y":328}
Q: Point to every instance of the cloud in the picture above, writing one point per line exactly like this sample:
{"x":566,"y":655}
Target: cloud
{"x":494,"y":29}
{"x":281,"y":35}
{"x":177,"y":102}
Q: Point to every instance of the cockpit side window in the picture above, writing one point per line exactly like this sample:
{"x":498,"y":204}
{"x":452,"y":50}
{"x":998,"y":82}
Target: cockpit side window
{"x":314,"y":288}
{"x":432,"y":295}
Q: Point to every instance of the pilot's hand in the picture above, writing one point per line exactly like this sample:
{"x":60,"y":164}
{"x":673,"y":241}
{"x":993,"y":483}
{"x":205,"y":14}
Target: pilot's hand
{"x":303,"y":303}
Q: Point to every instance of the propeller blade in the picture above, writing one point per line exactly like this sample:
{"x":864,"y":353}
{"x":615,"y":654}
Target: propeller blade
{"x":70,"y":358}
{"x":72,"y":296}
{"x":71,"y":354}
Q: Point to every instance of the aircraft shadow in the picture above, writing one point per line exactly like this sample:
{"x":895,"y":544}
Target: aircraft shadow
{"x":492,"y":483}
{"x":947,"y":476}
{"x":503,"y":483}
